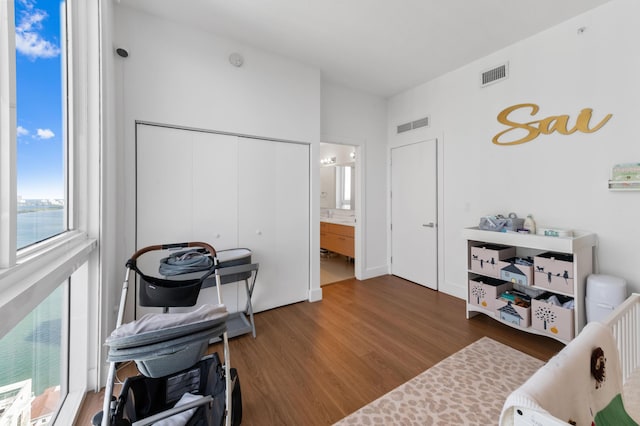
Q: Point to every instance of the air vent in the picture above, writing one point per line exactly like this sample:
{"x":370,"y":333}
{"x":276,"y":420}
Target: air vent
{"x":494,"y":75}
{"x":423,"y":122}
{"x":404,"y":127}
{"x":415,"y":124}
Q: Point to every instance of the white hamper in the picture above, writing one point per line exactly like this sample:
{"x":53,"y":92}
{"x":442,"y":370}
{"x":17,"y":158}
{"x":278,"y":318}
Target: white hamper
{"x":604,"y":294}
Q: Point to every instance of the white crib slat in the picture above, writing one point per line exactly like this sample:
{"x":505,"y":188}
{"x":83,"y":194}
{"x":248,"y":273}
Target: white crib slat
{"x":625,"y":325}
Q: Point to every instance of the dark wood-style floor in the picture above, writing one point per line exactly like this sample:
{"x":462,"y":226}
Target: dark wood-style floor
{"x":314,"y":363}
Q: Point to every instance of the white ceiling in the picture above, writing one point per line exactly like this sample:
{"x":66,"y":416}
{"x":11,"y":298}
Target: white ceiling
{"x":378,"y":46}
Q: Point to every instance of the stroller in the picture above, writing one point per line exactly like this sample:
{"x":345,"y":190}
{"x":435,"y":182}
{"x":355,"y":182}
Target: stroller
{"x":178,"y":385}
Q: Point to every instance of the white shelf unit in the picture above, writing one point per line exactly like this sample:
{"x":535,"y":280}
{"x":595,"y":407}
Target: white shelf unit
{"x":624,"y":185}
{"x":580,"y":246}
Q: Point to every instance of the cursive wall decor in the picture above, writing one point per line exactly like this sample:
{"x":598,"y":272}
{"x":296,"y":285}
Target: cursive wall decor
{"x":546,"y":126}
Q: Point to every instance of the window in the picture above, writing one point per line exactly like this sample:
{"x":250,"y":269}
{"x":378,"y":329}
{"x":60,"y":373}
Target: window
{"x":33,"y":350}
{"x":40,"y":71}
{"x":344,"y":186}
{"x":33,"y":377}
{"x":40,"y":159}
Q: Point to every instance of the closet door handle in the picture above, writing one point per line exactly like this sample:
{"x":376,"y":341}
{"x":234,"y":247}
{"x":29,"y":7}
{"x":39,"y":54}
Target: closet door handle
{"x":429,"y":225}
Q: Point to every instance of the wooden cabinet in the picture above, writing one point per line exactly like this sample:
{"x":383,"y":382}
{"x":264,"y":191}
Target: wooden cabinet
{"x":577,"y":249}
{"x":337,"y":238}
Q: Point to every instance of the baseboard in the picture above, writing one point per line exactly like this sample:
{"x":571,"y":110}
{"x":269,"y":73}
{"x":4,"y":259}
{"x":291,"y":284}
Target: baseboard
{"x":315,"y":294}
{"x":454,"y":290}
{"x":374,"y":272}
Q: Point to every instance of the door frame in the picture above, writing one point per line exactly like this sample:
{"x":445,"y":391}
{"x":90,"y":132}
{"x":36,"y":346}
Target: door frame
{"x":358,"y":261}
{"x":439,"y":216}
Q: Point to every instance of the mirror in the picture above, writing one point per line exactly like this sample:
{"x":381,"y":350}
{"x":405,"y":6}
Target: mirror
{"x":337,"y":186}
{"x":337,"y":176}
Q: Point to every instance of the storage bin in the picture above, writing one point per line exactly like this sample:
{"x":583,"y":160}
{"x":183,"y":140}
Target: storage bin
{"x":551,"y":319}
{"x":500,"y":224}
{"x":512,"y":313}
{"x":554,"y":271}
{"x":485,"y":259}
{"x":483,"y":291}
{"x":517,"y":273}
{"x":604,"y":294}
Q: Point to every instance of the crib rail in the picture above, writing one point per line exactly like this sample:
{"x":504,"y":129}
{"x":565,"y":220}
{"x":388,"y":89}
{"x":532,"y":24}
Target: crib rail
{"x":625,"y":325}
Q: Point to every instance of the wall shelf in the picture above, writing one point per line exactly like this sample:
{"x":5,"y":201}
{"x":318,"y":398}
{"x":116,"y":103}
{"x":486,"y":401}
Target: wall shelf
{"x":624,"y":185}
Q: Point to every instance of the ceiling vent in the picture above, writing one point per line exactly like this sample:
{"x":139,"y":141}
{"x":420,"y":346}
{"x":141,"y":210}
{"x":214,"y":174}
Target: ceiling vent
{"x":415,"y":124}
{"x":404,"y":127}
{"x":422,"y":122}
{"x":494,"y":75}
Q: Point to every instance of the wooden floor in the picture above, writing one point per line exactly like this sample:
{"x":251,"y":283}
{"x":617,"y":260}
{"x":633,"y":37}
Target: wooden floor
{"x":314,"y":363}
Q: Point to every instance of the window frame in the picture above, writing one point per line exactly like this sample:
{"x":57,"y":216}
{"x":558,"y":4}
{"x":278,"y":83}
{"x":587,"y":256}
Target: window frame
{"x":29,"y":275}
{"x":8,"y":123}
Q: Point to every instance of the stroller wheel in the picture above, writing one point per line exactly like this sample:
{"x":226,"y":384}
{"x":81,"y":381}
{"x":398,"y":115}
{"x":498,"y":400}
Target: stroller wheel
{"x":236,"y":399}
{"x":97,"y":419}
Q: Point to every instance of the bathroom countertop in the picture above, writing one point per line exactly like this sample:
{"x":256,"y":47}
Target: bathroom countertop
{"x":348,"y":221}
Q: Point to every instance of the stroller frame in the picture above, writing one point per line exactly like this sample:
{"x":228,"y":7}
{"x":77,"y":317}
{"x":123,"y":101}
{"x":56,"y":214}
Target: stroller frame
{"x":109,"y":404}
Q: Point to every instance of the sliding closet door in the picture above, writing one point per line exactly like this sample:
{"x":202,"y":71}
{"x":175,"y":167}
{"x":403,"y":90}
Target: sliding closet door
{"x":163,"y":200}
{"x":215,"y":190}
{"x":186,"y":190}
{"x":230,"y":192}
{"x":274,"y":218}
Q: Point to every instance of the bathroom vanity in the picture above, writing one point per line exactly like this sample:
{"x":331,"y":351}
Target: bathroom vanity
{"x":337,"y":237}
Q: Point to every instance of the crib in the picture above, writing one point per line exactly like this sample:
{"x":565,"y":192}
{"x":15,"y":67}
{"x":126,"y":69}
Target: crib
{"x":567,"y":391}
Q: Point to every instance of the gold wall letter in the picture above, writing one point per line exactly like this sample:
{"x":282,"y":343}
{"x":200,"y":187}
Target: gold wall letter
{"x":546,"y":126}
{"x":533,"y":132}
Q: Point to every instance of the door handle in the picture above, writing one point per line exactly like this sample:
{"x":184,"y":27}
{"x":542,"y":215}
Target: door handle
{"x":429,"y":225}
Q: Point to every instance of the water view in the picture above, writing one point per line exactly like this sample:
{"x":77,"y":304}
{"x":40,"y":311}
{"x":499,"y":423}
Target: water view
{"x":32,"y":349}
{"x":39,"y":220}
{"x":31,"y":352}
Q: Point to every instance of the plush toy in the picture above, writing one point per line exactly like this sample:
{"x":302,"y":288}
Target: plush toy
{"x":598,"y":366}
{"x":614,"y":414}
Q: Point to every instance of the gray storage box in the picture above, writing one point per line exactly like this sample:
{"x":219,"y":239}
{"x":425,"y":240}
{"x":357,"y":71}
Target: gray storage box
{"x":500,"y":224}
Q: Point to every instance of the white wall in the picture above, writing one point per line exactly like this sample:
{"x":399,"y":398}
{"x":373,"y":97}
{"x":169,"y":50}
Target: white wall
{"x":560,"y":179}
{"x":356,"y":118}
{"x":178,"y":75}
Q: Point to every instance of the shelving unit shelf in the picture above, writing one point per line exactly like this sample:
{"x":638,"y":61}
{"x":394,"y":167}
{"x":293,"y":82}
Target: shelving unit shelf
{"x":624,"y":185}
{"x":579,"y":248}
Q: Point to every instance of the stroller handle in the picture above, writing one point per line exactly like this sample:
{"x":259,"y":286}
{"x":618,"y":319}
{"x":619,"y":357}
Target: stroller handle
{"x":144,"y":250}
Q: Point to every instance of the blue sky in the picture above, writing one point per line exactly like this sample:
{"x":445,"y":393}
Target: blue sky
{"x":39,"y":99}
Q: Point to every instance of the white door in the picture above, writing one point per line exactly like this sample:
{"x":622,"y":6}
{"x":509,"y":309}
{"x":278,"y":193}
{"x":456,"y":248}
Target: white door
{"x":186,"y":187}
{"x":414,"y":233}
{"x":186,"y":190}
{"x":230,"y":192}
{"x":274,"y":216}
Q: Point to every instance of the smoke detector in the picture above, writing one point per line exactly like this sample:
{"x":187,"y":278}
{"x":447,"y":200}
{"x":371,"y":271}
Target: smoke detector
{"x":236,"y":59}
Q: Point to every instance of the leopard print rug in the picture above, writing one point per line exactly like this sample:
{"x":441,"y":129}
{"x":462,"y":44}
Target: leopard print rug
{"x":467,"y":388}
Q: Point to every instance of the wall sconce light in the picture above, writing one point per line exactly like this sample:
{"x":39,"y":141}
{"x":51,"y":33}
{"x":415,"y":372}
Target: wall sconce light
{"x":328,"y":161}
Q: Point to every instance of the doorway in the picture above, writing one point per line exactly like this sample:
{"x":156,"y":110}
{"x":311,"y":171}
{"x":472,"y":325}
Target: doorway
{"x":414,"y":207}
{"x":339,"y":195}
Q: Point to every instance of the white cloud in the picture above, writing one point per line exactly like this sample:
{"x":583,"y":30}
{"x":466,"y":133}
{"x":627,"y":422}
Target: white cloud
{"x":28,"y":41}
{"x":28,"y":4}
{"x":45,"y":134}
{"x":22,"y":131}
